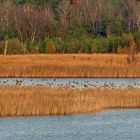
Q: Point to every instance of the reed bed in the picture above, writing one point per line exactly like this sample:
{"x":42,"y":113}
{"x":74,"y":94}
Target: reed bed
{"x":38,"y":101}
{"x":69,"y":65}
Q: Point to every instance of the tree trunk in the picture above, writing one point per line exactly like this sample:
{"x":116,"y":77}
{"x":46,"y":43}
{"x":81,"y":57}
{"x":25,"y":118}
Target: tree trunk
{"x":108,"y":32}
{"x":5,"y":48}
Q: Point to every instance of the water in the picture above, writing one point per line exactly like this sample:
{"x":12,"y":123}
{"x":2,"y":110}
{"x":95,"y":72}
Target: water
{"x":111,"y":125}
{"x":73,"y":82}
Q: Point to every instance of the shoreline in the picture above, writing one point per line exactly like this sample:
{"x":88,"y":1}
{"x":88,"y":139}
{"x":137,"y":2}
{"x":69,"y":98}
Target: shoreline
{"x":72,"y":115}
{"x":63,"y":77}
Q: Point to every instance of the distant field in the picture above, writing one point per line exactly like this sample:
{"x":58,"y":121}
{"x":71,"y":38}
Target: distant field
{"x":37,"y":101}
{"x":69,"y":65}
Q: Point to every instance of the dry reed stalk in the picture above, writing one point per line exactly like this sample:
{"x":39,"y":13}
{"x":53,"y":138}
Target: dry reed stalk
{"x":37,"y":101}
{"x":69,"y":65}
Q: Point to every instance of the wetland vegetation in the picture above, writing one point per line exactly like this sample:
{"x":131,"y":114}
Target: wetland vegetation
{"x":40,"y":101}
{"x":70,"y":65}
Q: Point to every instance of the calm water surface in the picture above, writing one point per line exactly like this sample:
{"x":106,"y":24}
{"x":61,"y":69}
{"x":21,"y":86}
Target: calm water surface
{"x":111,"y":125}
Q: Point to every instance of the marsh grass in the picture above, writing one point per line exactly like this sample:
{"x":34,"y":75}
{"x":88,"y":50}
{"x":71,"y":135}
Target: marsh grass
{"x":69,"y":65}
{"x":38,"y":101}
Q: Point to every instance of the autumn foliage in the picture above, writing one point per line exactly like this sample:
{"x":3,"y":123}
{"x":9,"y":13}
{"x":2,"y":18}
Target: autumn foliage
{"x":70,"y":26}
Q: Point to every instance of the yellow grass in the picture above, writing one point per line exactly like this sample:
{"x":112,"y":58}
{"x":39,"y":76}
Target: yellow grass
{"x":36,"y":101}
{"x":69,"y":65}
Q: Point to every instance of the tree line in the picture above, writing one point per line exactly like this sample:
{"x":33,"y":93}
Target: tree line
{"x":69,"y":26}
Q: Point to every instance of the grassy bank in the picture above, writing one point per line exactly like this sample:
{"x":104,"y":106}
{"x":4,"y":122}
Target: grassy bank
{"x":82,"y":65}
{"x":29,"y":101}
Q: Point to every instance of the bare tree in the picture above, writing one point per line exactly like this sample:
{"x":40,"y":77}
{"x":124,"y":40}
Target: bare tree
{"x":33,"y":22}
{"x":64,"y":9}
{"x":90,"y":13}
{"x":7,"y":11}
{"x":132,"y":14}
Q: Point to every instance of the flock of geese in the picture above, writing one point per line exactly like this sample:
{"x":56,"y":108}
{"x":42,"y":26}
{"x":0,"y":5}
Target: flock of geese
{"x":69,"y":83}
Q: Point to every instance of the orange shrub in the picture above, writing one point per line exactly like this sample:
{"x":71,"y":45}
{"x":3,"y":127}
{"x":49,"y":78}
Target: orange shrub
{"x":50,"y":48}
